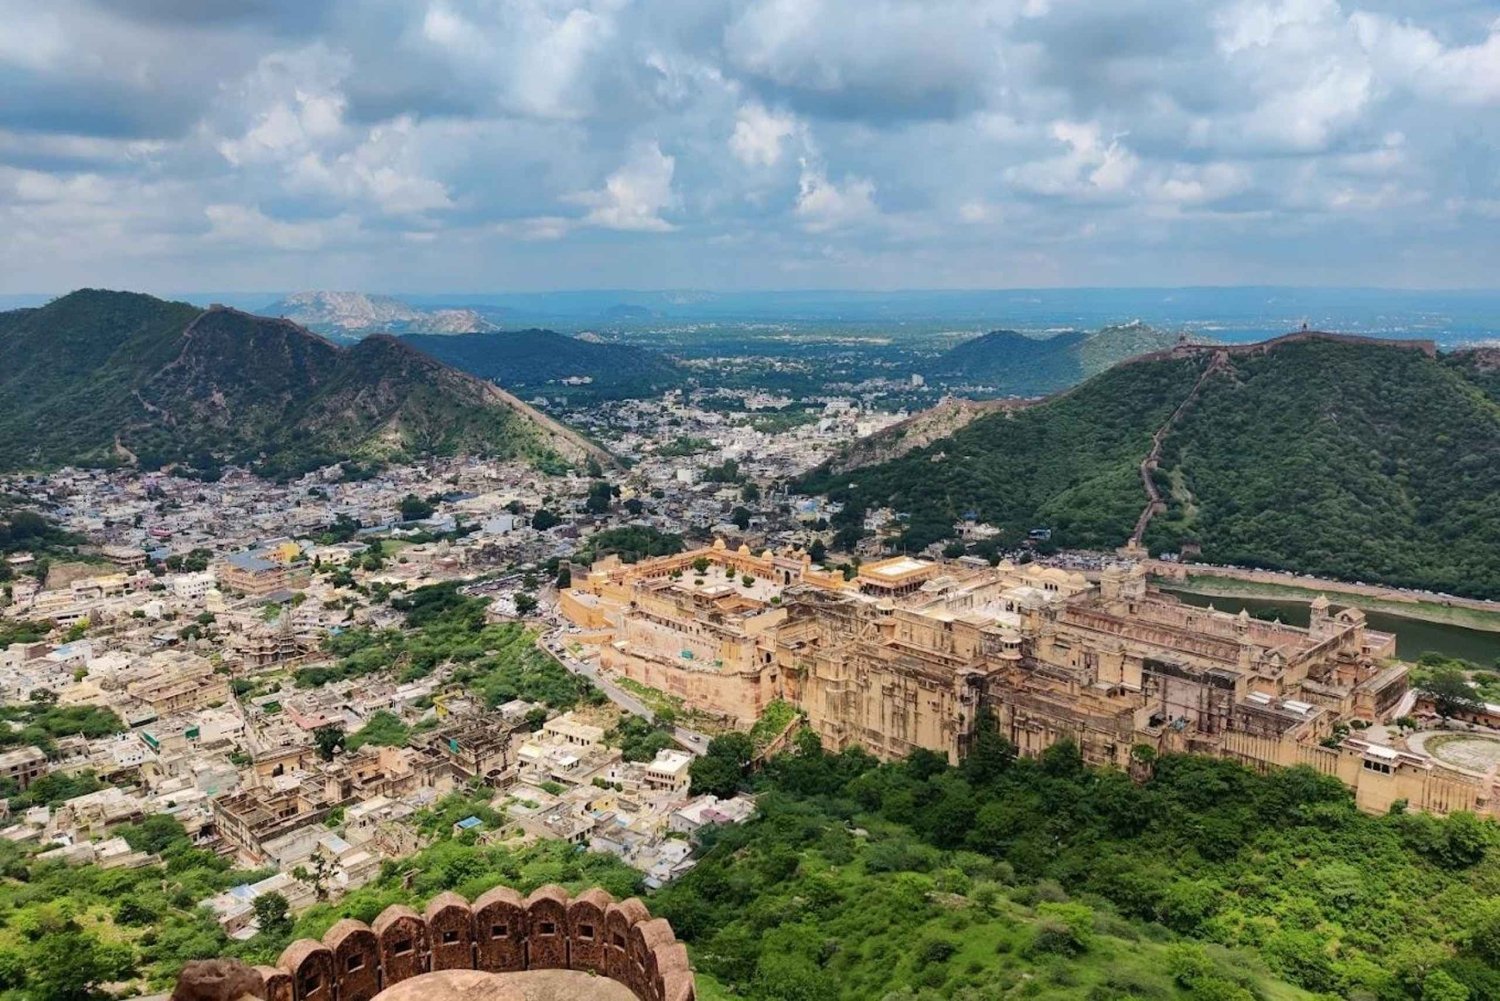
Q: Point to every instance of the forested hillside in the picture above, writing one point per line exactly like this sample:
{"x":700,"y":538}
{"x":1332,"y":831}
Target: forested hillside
{"x":1069,"y":463}
{"x":1005,"y":363}
{"x":102,"y":378}
{"x":1019,"y":878}
{"x":537,"y":360}
{"x":1356,"y":460}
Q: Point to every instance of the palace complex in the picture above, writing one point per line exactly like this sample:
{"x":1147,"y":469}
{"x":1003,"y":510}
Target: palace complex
{"x":909,"y":653}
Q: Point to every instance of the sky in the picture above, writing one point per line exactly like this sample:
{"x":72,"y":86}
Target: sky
{"x":503,"y":145}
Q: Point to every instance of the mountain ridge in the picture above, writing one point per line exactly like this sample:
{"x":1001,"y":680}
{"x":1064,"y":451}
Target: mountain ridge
{"x":1010,"y":363}
{"x":351,"y":315}
{"x":157,"y":383}
{"x":533,"y":358}
{"x":1331,"y":454}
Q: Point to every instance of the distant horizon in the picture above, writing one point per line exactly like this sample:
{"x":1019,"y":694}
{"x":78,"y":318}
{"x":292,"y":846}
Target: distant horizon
{"x":1229,"y":313}
{"x":768,"y":290}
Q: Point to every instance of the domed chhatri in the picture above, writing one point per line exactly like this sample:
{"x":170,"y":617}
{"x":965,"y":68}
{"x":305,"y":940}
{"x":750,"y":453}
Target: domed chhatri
{"x":594,"y":949}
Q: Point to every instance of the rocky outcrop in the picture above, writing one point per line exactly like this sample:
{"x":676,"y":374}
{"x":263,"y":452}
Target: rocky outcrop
{"x":918,"y":431}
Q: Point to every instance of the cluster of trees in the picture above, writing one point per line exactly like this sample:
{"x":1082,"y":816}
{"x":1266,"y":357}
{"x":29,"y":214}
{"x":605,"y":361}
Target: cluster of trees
{"x":71,"y":930}
{"x":684,"y":446}
{"x":194,"y":561}
{"x":40,"y":721}
{"x":727,"y":471}
{"x":632,"y":543}
{"x":513,"y":668}
{"x":639,"y":740}
{"x":50,"y":789}
{"x":384,"y":729}
{"x":24,"y":631}
{"x":601,"y":496}
{"x":25,"y":530}
{"x":414,"y":508}
{"x":1204,"y":856}
{"x":445,"y":626}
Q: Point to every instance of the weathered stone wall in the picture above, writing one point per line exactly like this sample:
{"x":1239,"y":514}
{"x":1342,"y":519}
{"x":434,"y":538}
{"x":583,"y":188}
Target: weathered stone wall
{"x":500,"y":932}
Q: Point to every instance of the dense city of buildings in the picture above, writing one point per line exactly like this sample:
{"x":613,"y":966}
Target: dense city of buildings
{"x":205,"y":618}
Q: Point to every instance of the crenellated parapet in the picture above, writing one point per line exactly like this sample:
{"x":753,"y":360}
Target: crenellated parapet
{"x":500,"y":932}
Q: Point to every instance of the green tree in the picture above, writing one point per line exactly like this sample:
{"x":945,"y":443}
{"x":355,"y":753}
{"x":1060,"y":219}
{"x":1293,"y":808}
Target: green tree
{"x":329,"y":739}
{"x":722,"y":769}
{"x":599,"y":498}
{"x":414,"y":508}
{"x":72,"y":965}
{"x":273,"y":914}
{"x":1439,"y":985}
{"x":1450,"y":692}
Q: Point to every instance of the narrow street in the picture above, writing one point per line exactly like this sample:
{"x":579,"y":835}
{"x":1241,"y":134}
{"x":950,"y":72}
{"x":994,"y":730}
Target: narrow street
{"x":553,"y":643}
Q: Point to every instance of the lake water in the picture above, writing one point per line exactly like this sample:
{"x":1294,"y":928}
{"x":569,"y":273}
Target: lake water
{"x":1414,"y":637}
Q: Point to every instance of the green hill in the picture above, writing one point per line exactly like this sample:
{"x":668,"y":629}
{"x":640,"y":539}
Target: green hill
{"x":1480,"y":366}
{"x":104,"y":378}
{"x":1005,"y":363}
{"x":533,"y":360}
{"x":1355,"y":459}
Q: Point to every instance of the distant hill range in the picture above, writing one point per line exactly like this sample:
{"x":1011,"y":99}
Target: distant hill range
{"x":100,"y":377}
{"x":352,"y":315}
{"x":541,"y":360}
{"x":1007,"y":363}
{"x":1355,"y":458}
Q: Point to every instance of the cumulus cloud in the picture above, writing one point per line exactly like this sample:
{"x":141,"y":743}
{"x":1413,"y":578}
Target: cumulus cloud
{"x":758,"y":135}
{"x":1091,"y":166}
{"x":247,"y":225}
{"x":886,"y":59}
{"x":823,"y":205}
{"x":634,"y":196}
{"x":217,"y":141}
{"x":1469,"y":74}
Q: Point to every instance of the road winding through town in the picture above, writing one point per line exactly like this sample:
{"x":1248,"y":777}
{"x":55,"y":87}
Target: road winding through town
{"x":554,"y":644}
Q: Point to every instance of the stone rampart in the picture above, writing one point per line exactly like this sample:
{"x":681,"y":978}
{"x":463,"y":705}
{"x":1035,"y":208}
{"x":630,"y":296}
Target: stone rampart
{"x":501,"y":932}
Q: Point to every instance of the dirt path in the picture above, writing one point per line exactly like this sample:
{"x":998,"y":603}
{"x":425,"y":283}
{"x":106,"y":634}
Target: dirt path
{"x":1154,"y":503}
